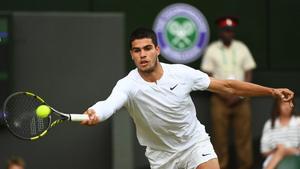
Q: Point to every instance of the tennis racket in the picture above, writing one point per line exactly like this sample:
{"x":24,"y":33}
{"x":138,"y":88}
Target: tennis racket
{"x":19,"y":112}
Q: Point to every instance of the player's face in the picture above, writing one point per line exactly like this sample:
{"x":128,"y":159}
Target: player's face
{"x":285,"y":108}
{"x":144,"y":54}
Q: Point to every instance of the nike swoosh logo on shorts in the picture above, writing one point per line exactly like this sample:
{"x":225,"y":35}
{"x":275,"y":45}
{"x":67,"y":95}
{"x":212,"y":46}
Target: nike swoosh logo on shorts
{"x":205,"y":155}
{"x":172,"y":88}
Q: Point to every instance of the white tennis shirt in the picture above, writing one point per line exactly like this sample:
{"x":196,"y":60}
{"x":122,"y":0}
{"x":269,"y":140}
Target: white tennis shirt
{"x":163,"y":112}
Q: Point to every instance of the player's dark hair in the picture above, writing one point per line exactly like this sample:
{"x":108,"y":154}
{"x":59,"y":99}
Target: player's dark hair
{"x":15,"y":161}
{"x":141,"y":33}
{"x":276,"y":111}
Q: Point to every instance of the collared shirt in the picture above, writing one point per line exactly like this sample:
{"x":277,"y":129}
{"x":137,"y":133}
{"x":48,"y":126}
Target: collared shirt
{"x":288,"y":135}
{"x":228,"y":62}
{"x":163,"y":112}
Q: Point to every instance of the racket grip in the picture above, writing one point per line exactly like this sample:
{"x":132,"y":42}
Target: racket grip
{"x":78,"y":117}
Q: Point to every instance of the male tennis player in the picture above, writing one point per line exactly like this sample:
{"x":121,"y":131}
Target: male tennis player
{"x":157,"y":96}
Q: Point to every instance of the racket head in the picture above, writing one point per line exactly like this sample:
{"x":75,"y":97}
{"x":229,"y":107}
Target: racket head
{"x":20,"y":116}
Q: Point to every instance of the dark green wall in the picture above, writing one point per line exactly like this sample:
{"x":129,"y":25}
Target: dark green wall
{"x":284,"y":34}
{"x":144,"y":13}
{"x":269,"y":28}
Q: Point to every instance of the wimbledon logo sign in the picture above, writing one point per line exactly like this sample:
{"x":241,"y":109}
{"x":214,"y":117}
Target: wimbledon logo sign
{"x":182,"y":33}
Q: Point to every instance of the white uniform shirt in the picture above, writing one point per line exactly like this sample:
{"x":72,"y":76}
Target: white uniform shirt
{"x":228,"y":62}
{"x":163,"y":112}
{"x":287,"y":135}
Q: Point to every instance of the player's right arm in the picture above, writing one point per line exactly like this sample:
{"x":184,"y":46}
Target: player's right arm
{"x":240,"y":88}
{"x":102,"y":110}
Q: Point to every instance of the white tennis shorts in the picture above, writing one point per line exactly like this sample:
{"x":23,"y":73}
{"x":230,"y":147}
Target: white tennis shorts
{"x":190,"y":158}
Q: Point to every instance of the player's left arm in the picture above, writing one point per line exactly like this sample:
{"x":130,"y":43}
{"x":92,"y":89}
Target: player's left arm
{"x":240,"y":88}
{"x":102,"y":110}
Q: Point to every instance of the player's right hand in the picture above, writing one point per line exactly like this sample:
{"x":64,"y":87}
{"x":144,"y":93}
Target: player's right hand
{"x":284,"y":94}
{"x":93,"y":118}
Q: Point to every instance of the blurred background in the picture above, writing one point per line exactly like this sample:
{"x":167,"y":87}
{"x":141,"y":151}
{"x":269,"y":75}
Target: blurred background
{"x":72,"y":52}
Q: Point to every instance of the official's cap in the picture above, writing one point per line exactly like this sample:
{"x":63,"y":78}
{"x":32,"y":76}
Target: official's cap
{"x":227,"y":22}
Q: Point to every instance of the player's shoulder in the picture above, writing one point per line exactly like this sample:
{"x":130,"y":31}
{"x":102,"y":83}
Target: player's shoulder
{"x":182,"y":71}
{"x":175,"y":66}
{"x":130,"y":77}
{"x":127,"y":82}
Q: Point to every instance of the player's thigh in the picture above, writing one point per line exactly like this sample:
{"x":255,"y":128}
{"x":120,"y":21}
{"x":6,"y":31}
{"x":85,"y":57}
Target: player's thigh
{"x":160,"y":159}
{"x":210,"y":164}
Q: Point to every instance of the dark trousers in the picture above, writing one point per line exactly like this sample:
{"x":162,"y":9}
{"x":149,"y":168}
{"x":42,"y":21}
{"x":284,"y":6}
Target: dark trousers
{"x":239,"y":117}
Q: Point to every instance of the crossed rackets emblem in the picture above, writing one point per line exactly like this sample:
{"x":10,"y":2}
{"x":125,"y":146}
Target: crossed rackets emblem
{"x":182,"y":34}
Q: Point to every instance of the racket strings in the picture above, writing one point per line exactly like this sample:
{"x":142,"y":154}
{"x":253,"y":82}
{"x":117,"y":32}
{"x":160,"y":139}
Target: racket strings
{"x":21,"y":117}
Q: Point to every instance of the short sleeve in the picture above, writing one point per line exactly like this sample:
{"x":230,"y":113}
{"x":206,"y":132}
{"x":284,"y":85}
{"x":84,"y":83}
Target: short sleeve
{"x":207,"y":64}
{"x":198,"y":79}
{"x":201,"y":80}
{"x":265,"y":145}
{"x":248,"y":62}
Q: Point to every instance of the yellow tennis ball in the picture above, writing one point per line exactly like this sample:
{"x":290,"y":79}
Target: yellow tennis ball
{"x":43,"y":111}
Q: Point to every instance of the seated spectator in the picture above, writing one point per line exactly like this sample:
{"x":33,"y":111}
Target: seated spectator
{"x":281,"y":135}
{"x":15,"y":163}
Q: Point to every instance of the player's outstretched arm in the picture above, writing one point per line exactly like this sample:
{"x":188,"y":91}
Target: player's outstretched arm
{"x":240,"y":88}
{"x":102,"y":110}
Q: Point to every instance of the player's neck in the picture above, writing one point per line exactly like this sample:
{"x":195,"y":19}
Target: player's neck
{"x":154,"y":75}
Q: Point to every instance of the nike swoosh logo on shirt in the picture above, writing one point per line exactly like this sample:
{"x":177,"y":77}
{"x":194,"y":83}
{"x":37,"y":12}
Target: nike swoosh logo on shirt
{"x":205,"y":155}
{"x":172,"y":88}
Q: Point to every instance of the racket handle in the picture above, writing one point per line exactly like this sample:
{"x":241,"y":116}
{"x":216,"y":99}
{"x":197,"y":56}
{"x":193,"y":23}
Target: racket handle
{"x":78,"y":117}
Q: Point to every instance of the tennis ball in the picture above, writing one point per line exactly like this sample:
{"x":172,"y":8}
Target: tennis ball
{"x":43,"y":111}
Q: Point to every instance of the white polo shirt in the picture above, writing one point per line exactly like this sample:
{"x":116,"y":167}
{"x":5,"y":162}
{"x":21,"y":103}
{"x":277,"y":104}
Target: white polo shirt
{"x":288,"y":135}
{"x":163,"y":112}
{"x":228,"y":62}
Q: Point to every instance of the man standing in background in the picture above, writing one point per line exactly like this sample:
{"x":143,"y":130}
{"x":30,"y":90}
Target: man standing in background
{"x":228,"y":58}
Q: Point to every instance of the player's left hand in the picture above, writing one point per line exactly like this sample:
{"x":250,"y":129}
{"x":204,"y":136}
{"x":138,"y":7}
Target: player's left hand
{"x":284,"y":94}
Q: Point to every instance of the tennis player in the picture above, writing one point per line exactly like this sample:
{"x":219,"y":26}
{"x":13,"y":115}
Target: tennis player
{"x":157,"y":96}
